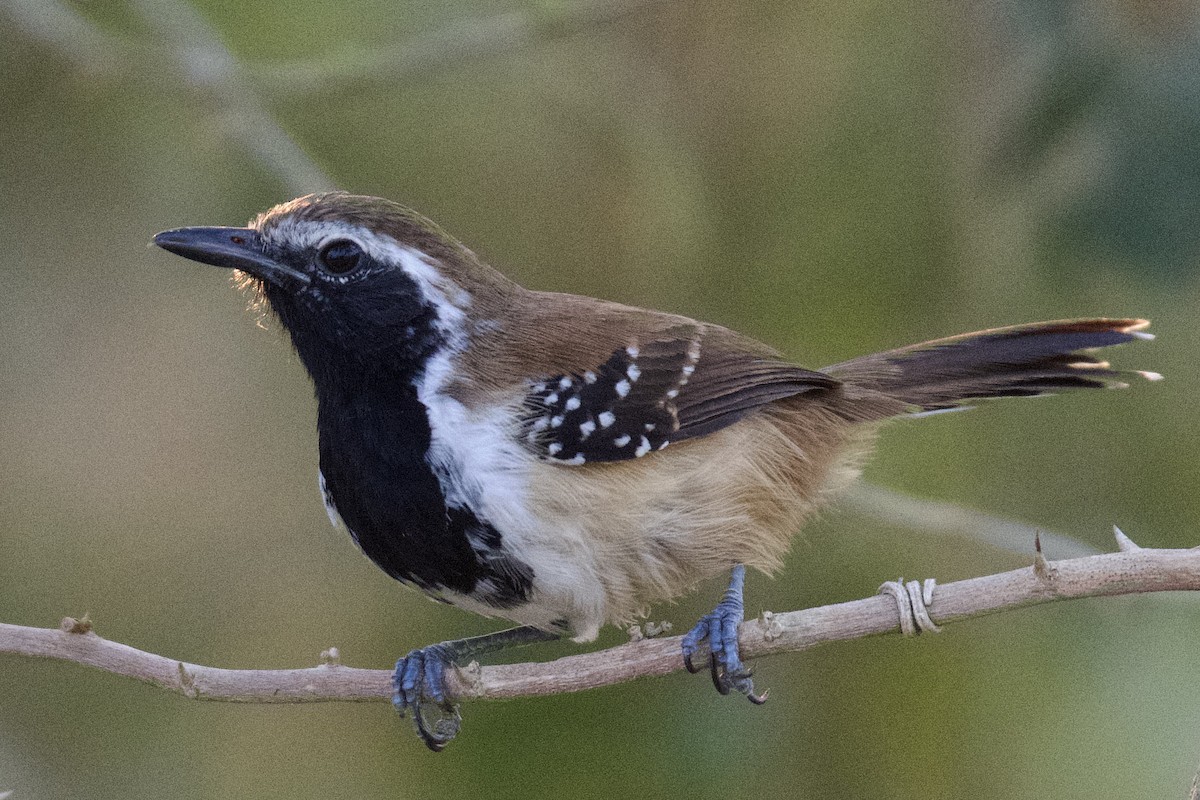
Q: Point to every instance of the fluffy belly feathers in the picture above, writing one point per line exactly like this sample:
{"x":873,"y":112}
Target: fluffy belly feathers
{"x":604,"y":543}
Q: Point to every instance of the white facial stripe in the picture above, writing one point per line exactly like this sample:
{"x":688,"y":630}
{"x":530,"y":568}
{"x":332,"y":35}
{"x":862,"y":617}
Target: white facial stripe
{"x":449,"y":299}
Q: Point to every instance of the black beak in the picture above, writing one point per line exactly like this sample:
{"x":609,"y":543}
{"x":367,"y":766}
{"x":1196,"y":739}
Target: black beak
{"x":235,"y":248}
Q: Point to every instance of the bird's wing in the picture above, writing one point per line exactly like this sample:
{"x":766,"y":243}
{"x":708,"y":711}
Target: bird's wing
{"x":687,"y":381}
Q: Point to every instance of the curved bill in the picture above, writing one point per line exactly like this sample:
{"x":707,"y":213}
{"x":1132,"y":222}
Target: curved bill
{"x":235,"y":248}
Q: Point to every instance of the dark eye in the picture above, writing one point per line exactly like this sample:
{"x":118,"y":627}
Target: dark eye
{"x":340,"y":256}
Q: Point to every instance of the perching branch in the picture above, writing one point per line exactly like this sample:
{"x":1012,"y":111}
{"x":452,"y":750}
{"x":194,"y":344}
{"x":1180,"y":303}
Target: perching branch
{"x":1130,"y":571}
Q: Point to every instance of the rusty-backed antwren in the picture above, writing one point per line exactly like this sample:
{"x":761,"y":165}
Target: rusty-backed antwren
{"x":564,"y":461}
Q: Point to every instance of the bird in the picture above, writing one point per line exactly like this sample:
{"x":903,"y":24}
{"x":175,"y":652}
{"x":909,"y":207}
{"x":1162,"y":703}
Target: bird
{"x":562,"y":461}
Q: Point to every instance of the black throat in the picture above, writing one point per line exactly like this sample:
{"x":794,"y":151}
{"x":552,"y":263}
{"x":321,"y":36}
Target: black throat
{"x":367,"y":352}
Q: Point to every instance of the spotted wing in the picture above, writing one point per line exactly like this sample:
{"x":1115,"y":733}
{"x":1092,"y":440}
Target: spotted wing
{"x":647,"y":395}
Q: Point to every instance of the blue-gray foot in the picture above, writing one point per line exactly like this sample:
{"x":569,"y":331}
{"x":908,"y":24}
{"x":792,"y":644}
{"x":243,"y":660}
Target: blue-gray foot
{"x":419,"y":687}
{"x":720,"y":628}
{"x":419,"y":683}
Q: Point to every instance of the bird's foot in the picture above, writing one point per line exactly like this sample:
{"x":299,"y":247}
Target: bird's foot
{"x":419,"y":683}
{"x":720,"y":628}
{"x":419,"y":686}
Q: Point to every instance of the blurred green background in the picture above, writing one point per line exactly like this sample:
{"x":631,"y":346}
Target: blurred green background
{"x":832,"y":177}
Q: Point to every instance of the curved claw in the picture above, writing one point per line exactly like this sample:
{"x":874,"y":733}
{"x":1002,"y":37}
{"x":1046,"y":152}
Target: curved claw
{"x":719,"y":678}
{"x":445,"y":727}
{"x":691,"y":643}
{"x":419,"y":684}
{"x":720,"y":628}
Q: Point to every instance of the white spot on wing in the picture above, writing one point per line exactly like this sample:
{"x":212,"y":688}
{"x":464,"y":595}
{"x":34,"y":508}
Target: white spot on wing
{"x":622,"y":388}
{"x":554,"y":449}
{"x":633,"y":372}
{"x":606,"y":418}
{"x":573,"y":403}
{"x":643,"y":448}
{"x":586,"y":429}
{"x":622,"y":440}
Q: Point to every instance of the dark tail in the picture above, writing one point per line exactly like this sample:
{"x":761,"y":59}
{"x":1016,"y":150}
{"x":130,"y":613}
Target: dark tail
{"x":1021,"y":361}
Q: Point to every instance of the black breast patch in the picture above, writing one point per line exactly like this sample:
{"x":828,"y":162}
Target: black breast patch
{"x":378,"y":480}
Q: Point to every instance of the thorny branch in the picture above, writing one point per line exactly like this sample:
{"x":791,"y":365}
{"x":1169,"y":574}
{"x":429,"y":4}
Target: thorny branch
{"x":1129,"y":571}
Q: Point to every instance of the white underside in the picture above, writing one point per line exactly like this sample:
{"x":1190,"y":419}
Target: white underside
{"x":480,"y":463}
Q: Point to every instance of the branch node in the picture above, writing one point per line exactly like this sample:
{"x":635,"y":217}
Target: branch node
{"x":472,"y":678}
{"x":72,"y":625}
{"x":1124,"y":543}
{"x":772,"y":628}
{"x":187,"y":681}
{"x":331,"y":657}
{"x":655,"y":629}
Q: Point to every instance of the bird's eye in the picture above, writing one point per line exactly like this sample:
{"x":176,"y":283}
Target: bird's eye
{"x":340,"y":256}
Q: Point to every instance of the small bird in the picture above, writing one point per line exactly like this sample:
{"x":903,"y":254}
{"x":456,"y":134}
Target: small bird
{"x":563,"y":461}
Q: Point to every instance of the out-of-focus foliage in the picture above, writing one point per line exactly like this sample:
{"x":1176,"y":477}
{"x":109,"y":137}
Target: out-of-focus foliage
{"x":833,"y":177}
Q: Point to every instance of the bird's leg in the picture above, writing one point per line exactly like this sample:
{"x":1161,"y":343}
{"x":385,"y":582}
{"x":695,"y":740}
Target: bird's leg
{"x":419,"y":680}
{"x":720,"y":628}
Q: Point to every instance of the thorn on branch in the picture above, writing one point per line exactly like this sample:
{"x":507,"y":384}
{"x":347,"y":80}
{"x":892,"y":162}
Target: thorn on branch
{"x":331,"y":657}
{"x":1041,"y":566}
{"x":72,"y":625}
{"x":1124,"y":543}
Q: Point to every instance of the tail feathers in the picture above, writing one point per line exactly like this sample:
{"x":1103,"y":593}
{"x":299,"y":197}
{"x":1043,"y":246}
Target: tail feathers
{"x":1019,"y":361}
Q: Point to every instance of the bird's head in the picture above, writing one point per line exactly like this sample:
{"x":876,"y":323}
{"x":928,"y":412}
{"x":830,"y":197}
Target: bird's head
{"x":354,"y":279}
